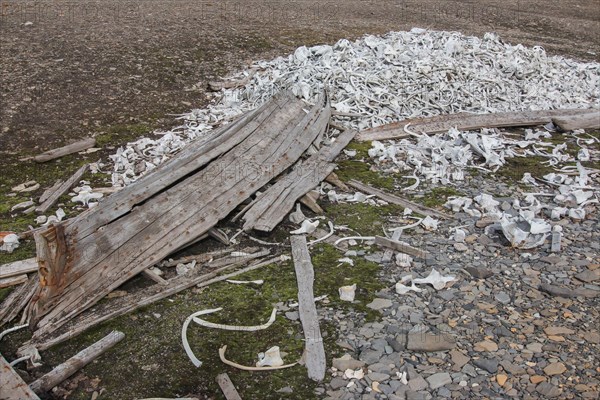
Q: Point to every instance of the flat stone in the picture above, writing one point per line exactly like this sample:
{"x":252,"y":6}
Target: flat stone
{"x":370,"y":356}
{"x":535,"y":379}
{"x":460,"y":247}
{"x":379,"y":304}
{"x":535,"y":347}
{"x":502,"y":297}
{"x":430,"y":342}
{"x":378,"y":377}
{"x":347,"y":362}
{"x":417,"y":383}
{"x":558,"y":330}
{"x":486,"y":345}
{"x":592,"y":337}
{"x":501,"y":379}
{"x":479,"y":273}
{"x":548,"y":390}
{"x":561,"y":291}
{"x":337,"y":383}
{"x":555,"y":369}
{"x":588,"y":276}
{"x":488,"y":364}
{"x":438,"y":380}
{"x":512,"y":368}
{"x":459,"y":359}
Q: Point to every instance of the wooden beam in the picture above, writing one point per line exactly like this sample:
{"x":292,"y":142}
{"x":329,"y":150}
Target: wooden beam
{"x":154,"y":276}
{"x":18,"y":268}
{"x":75,"y":363}
{"x":62,"y":189}
{"x":463,"y":121}
{"x":400,"y":246}
{"x":68,"y":149}
{"x":229,"y":391}
{"x":12,"y":305}
{"x":49,"y":191}
{"x":305,"y":275}
{"x":13,"y":281}
{"x":12,"y":387}
{"x":310,"y":201}
{"x":335,"y":180}
{"x":279,"y":199}
{"x":394,"y":199}
{"x":590,"y":120}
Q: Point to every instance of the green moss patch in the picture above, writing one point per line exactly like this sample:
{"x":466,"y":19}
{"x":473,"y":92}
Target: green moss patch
{"x":362,"y":218}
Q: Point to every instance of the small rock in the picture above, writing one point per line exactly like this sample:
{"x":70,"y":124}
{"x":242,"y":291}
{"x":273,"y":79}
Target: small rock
{"x":438,"y":380}
{"x":459,"y":359}
{"x":417,"y":383}
{"x":486,"y":345}
{"x":347,"y":362}
{"x":379,"y":377}
{"x":479,"y":273}
{"x":555,"y":369}
{"x":379,"y":304}
{"x":430,"y":342}
{"x":588,"y":276}
{"x":287,"y":390}
{"x":337,"y":383}
{"x":488,"y":364}
{"x":501,"y":379}
{"x":460,"y":247}
{"x":558,"y":330}
{"x":502,"y":297}
{"x":548,"y":390}
{"x":535,"y":379}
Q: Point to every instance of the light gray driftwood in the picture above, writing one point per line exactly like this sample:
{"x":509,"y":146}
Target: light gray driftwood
{"x":392,"y":198}
{"x":101,"y":260}
{"x":305,"y":275}
{"x":12,"y":387}
{"x":400,"y":246}
{"x":16,"y":301}
{"x":229,"y":391}
{"x":590,"y":120}
{"x":62,"y":189}
{"x":49,"y":191}
{"x":278,"y":200}
{"x":13,"y":280}
{"x":463,"y":121}
{"x":63,"y":151}
{"x":75,"y":363}
{"x":18,"y":268}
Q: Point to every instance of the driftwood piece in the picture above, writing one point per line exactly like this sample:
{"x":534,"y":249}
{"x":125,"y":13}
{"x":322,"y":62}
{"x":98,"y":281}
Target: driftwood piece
{"x":305,"y":275}
{"x":13,"y":281}
{"x":62,"y":189}
{"x":154,"y":276}
{"x":463,"y":121}
{"x":335,"y":180}
{"x":17,"y":300}
{"x":18,"y":268}
{"x":142,"y":298}
{"x":229,"y":391}
{"x":49,"y":191}
{"x":392,"y":198}
{"x":278,"y":200}
{"x":400,"y":246}
{"x":310,"y":201}
{"x":590,"y":120}
{"x":12,"y":387}
{"x":167,"y":221}
{"x":75,"y":363}
{"x":65,"y":150}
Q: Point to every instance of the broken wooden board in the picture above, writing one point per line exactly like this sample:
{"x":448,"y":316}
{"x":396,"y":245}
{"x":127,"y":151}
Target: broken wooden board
{"x":392,"y":198}
{"x":13,"y":281}
{"x":463,"y":121}
{"x":590,"y":120}
{"x":62,"y":189}
{"x":63,"y":151}
{"x":229,"y":391}
{"x":305,"y":275}
{"x":49,"y":191}
{"x":14,"y":303}
{"x":335,"y":180}
{"x":12,"y":387}
{"x":310,"y":201}
{"x":278,"y":200}
{"x":75,"y":363}
{"x":79,"y":266}
{"x":401,"y":247}
{"x":133,"y":301}
{"x":18,"y":268}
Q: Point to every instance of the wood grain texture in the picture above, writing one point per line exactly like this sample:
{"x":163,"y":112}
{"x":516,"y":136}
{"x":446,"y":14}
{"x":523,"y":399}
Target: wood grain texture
{"x":16,"y":301}
{"x":229,"y":391}
{"x":18,"y":268}
{"x":63,"y":188}
{"x":65,"y":150}
{"x":12,"y":387}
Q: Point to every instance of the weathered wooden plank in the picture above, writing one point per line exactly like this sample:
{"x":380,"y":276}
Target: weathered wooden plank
{"x":229,"y":391}
{"x":49,"y":191}
{"x":590,"y":120}
{"x":305,"y":275}
{"x":463,"y":121}
{"x":13,"y":281}
{"x":392,"y":198}
{"x":310,"y":201}
{"x":18,"y":267}
{"x":169,"y":220}
{"x":65,"y":150}
{"x":62,"y":189}
{"x":75,"y":363}
{"x":154,"y":276}
{"x":278,"y":200}
{"x":12,"y":387}
{"x":400,"y":246}
{"x":17,"y":300}
{"x":335,"y":180}
{"x":131,"y":302}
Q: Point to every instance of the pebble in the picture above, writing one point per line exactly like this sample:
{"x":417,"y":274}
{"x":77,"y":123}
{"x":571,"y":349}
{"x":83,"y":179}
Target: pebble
{"x":502,"y":297}
{"x":347,"y":362}
{"x":430,"y":342}
{"x":480,"y":273}
{"x":379,"y":304}
{"x":548,"y":390}
{"x":486,"y":345}
{"x":555,"y":369}
{"x":501,"y":379}
{"x":438,"y":380}
{"x":488,"y":364}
